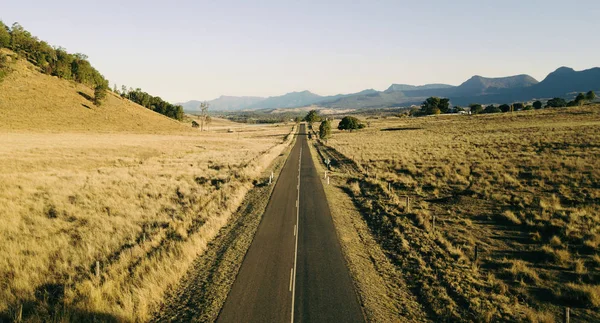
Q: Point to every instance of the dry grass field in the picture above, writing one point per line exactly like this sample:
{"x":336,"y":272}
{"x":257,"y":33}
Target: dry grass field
{"x":522,"y":188}
{"x":104,"y":209}
{"x":141,"y":205}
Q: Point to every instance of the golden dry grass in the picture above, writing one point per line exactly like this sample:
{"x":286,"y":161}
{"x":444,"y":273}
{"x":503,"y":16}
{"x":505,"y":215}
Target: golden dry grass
{"x":144,"y":206}
{"x":118,"y":185}
{"x":521,"y":186}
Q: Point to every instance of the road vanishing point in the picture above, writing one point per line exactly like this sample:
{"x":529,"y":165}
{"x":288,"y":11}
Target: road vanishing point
{"x":294,"y":270}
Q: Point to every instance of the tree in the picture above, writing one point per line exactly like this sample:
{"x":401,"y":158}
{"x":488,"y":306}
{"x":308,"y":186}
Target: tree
{"x":537,"y":105}
{"x":4,"y":35}
{"x":527,"y":108}
{"x":312,"y":116}
{"x":505,"y":108}
{"x":458,"y":109}
{"x":350,"y":123}
{"x":556,"y":103}
{"x":580,"y":99}
{"x":476,"y":108}
{"x":590,"y":96}
{"x":99,"y":94}
{"x":492,"y":109}
{"x":325,"y":129}
{"x":203,"y":114}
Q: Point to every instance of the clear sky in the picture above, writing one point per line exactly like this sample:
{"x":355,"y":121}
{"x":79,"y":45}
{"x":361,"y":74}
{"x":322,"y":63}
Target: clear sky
{"x":183,"y":50}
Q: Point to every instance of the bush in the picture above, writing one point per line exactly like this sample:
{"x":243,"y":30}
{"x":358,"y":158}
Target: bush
{"x":99,"y":94}
{"x":350,"y":123}
{"x":537,"y":105}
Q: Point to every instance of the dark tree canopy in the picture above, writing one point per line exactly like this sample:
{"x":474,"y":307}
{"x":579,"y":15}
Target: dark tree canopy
{"x":505,"y":108}
{"x":580,"y":99}
{"x":154,"y":103}
{"x":476,"y":108}
{"x":590,"y":96}
{"x":537,"y":105}
{"x":350,"y":123}
{"x":492,"y":109}
{"x":435,"y":105}
{"x":312,"y":116}
{"x":556,"y":103}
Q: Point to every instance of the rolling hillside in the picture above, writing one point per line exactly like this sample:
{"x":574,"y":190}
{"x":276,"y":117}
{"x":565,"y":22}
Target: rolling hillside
{"x":30,"y":100}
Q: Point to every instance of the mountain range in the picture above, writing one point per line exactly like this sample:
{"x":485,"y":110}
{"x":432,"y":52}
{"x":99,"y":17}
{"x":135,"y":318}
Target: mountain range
{"x":478,"y":89}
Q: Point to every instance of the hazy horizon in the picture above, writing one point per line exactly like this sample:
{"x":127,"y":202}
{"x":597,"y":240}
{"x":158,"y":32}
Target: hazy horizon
{"x":200,"y":51}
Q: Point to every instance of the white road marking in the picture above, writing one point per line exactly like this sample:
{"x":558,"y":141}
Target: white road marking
{"x":295,"y":228}
{"x":291,"y":277}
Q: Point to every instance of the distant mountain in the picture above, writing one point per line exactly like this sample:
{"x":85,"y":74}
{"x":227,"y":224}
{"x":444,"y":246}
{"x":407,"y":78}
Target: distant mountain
{"x":484,"y":85}
{"x":406,"y":87}
{"x":223,"y":103}
{"x":477,"y":89}
{"x":566,"y":80}
{"x":560,"y":83}
{"x":289,"y":100}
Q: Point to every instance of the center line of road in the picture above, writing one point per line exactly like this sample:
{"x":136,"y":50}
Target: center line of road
{"x":291,"y":277}
{"x":297,"y":229}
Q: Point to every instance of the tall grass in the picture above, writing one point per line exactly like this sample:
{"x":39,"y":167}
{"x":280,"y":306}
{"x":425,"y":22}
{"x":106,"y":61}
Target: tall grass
{"x":142,"y":206}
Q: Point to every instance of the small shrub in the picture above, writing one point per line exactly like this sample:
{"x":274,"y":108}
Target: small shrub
{"x":510,"y":217}
{"x":534,"y":316}
{"x":579,"y":266}
{"x":520,"y":271}
{"x":555,"y":242}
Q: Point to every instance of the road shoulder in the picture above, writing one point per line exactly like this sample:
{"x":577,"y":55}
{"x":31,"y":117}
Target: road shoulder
{"x":383,"y":294}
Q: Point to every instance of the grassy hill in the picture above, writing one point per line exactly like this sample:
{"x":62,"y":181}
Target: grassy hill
{"x":31,"y":100}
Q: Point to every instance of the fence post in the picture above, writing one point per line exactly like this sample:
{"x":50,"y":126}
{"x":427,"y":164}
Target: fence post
{"x":433,"y":224}
{"x":407,"y":203}
{"x":476,"y":251}
{"x":20,"y":313}
{"x":325,"y":174}
{"x":567,"y":315}
{"x":97,"y":269}
{"x":327,"y":180}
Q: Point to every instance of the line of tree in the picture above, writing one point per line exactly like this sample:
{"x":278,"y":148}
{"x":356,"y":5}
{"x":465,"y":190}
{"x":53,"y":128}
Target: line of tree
{"x":153,"y":103}
{"x":435,"y":105}
{"x":56,"y":61}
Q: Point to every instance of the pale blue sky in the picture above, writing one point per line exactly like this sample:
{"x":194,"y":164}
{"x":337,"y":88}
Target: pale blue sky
{"x":183,"y":50}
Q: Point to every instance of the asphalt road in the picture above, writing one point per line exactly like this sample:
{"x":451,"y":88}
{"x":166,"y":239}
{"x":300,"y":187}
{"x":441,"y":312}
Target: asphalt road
{"x":294,"y":269}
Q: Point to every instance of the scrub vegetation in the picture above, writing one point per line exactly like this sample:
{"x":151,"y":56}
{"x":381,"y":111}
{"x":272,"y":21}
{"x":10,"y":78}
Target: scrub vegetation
{"x":503,"y":221}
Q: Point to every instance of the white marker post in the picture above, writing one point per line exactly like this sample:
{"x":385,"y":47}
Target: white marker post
{"x":325,"y":174}
{"x":327,"y":180}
